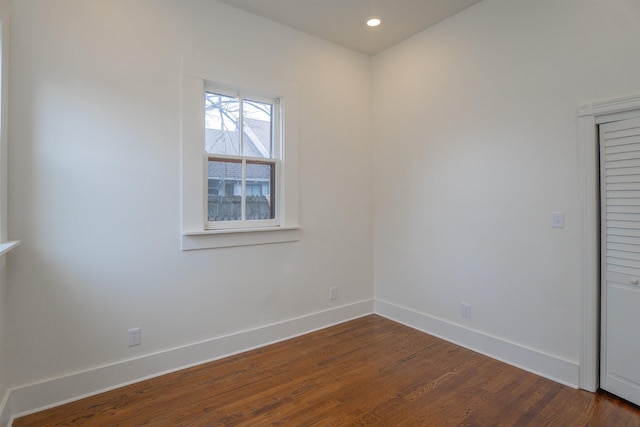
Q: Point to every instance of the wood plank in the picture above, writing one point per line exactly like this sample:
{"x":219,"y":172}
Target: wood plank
{"x":369,"y":371}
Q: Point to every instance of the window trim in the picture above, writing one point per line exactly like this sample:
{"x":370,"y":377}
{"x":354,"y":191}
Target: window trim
{"x":197,"y":74}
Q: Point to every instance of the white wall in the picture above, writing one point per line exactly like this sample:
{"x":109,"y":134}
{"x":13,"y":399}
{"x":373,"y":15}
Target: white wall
{"x":95,"y":179}
{"x":475,"y":145}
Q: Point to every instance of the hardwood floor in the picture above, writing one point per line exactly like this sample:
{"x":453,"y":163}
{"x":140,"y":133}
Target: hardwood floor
{"x":367,"y":372}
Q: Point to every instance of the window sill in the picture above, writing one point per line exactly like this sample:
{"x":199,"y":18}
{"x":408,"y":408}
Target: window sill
{"x":7,"y":246}
{"x":209,"y":239}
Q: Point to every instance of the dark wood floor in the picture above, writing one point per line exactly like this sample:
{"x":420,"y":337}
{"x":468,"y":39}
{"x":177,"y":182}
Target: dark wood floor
{"x":367,"y":372}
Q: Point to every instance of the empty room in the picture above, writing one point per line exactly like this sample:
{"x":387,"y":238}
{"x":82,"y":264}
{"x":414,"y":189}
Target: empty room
{"x":266,"y":212}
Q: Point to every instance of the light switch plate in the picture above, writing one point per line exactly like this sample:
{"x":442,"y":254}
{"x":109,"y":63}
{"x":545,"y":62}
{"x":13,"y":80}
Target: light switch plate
{"x":557,"y":219}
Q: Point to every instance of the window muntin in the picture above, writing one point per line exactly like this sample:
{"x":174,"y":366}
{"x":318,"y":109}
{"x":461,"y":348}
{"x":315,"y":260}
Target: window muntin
{"x":242,"y":162}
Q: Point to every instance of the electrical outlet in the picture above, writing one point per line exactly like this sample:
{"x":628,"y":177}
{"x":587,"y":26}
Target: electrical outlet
{"x":466,"y":310}
{"x":333,"y":293}
{"x":557,"y":219}
{"x":135,"y":336}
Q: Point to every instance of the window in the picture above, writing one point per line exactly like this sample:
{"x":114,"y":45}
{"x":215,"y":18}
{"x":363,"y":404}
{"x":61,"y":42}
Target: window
{"x":5,"y":246}
{"x":239,"y":184}
{"x":241,"y":145}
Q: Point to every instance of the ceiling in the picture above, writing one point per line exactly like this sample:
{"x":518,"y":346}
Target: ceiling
{"x":343,"y":21}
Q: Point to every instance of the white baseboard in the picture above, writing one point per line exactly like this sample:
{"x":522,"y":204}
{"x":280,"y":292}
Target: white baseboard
{"x":546,"y":365}
{"x":5,"y":415}
{"x":52,"y":392}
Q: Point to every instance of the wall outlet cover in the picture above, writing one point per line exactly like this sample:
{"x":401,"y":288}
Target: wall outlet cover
{"x":134,"y":336}
{"x":466,"y":310}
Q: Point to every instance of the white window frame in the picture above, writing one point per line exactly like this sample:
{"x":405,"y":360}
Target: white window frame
{"x":5,"y":244}
{"x":274,"y":159}
{"x":197,"y":73}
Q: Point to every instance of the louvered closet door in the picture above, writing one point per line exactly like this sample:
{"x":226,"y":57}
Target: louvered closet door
{"x":620,"y":219}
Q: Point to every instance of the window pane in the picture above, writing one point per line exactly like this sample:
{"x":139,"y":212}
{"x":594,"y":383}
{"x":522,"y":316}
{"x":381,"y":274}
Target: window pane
{"x":260,"y":190}
{"x":222,"y":119}
{"x":224,"y":190}
{"x":258,"y":129}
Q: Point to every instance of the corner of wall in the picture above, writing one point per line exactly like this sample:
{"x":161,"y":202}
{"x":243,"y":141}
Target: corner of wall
{"x":546,"y":365}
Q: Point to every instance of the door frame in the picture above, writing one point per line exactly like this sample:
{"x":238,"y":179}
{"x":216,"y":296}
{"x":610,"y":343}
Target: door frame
{"x":589,"y":117}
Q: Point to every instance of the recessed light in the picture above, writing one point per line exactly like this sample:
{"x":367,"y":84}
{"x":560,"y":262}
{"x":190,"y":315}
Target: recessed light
{"x":374,"y":21}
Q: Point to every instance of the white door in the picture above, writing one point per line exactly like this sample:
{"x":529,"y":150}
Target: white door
{"x":620,"y":219}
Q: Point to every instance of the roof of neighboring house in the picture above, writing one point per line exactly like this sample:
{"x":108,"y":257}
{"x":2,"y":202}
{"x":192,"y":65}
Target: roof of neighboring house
{"x":232,"y":171}
{"x":257,"y":139}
